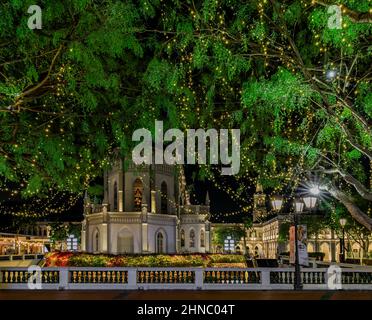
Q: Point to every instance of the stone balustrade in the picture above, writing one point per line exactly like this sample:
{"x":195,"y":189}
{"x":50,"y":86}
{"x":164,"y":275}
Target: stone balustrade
{"x":182,"y":278}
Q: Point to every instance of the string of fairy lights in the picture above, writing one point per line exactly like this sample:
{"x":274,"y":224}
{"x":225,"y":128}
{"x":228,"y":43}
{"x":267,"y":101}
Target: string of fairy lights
{"x":197,"y":96}
{"x":292,"y":163}
{"x":175,"y":205}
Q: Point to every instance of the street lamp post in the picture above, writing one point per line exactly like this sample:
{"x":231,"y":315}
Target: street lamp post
{"x":342,"y":241}
{"x":299,"y":206}
{"x":310,"y":203}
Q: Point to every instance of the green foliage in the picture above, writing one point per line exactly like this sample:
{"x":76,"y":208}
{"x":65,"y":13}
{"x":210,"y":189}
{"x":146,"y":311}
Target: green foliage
{"x":220,"y":233}
{"x":92,"y":260}
{"x":74,"y":92}
{"x":60,"y":231}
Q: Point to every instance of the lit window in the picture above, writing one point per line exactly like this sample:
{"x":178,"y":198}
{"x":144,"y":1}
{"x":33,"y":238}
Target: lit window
{"x":182,"y":238}
{"x":138,"y":190}
{"x":202,"y":239}
{"x":192,"y":238}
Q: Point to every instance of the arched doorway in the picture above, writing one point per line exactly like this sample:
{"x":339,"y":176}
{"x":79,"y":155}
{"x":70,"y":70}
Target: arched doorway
{"x":138,"y":191}
{"x":161,"y":244}
{"x":202,"y":238}
{"x":125,"y":242}
{"x":356,"y":251}
{"x":310,"y":247}
{"x":258,"y":252}
{"x":95,"y":239}
{"x":192,"y":238}
{"x":324,"y":247}
{"x":182,"y":238}
{"x":164,"y":198}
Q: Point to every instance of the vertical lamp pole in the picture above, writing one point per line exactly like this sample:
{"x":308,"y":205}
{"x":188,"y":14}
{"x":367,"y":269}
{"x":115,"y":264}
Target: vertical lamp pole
{"x":277,"y":203}
{"x":310,"y":203}
{"x":342,"y":242}
{"x":299,"y":206}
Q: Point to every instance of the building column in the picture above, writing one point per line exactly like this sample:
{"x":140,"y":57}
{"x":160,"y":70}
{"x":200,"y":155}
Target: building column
{"x":109,"y":249}
{"x":207,"y":241}
{"x":83,"y":240}
{"x":208,"y":238}
{"x":153,"y":201}
{"x":104,"y":238}
{"x":333,"y":247}
{"x":120,"y":192}
{"x":145,"y":242}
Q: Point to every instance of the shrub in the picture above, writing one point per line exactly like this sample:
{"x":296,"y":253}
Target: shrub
{"x":227,"y":258}
{"x":317,"y":255}
{"x":151,"y":260}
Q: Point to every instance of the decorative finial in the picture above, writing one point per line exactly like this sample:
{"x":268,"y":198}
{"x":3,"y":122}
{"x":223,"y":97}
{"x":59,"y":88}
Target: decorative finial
{"x":207,"y":201}
{"x":86,"y":197}
{"x":259,"y":188}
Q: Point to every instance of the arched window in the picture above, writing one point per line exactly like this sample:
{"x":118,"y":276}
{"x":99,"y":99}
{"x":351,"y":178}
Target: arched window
{"x":159,"y":243}
{"x":182,"y":238}
{"x":202,"y":238}
{"x":138,"y":191}
{"x":256,"y":252}
{"x":192,"y":238}
{"x":164,"y":198}
{"x":115,"y":196}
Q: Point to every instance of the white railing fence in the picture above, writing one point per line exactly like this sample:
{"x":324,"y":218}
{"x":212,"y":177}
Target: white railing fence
{"x":182,"y":278}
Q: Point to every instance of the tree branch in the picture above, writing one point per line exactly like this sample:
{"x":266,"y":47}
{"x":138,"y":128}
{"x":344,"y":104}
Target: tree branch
{"x":356,"y":213}
{"x":359,"y":187}
{"x":19,"y":100}
{"x":355,"y":144}
{"x":356,"y":17}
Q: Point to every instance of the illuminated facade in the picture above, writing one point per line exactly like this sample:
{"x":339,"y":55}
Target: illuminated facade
{"x":262,"y":239}
{"x":146,"y":209}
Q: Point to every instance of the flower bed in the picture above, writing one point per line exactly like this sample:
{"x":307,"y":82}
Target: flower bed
{"x":68,"y":259}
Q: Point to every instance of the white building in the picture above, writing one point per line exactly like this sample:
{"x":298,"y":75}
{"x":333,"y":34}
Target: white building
{"x":146,"y":209}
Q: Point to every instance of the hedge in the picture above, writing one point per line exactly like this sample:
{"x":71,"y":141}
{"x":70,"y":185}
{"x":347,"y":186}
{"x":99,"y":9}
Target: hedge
{"x":68,"y":259}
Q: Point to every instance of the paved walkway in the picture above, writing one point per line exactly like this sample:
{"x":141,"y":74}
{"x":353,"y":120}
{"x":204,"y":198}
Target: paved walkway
{"x":18,"y":263}
{"x":183,"y":295}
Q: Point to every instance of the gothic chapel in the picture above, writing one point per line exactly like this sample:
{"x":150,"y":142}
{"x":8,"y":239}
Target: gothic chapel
{"x":146,"y":209}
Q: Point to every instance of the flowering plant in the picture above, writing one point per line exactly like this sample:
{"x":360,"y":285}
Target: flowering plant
{"x":69,"y":259}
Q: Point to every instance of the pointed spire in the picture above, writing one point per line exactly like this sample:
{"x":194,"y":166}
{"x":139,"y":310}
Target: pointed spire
{"x":105,"y":199}
{"x":105,"y":188}
{"x":207,"y":201}
{"x":86,"y":197}
{"x":259,"y":188}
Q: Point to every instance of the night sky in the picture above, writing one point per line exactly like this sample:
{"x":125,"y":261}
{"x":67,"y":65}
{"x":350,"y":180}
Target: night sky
{"x":220,"y":202}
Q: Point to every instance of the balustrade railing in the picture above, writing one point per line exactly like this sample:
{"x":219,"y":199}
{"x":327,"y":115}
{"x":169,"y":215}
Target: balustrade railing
{"x":104,"y":276}
{"x":165,"y":276}
{"x":23,"y":276}
{"x":181,"y":278}
{"x":307,"y":277}
{"x":357,"y":277}
{"x":231,"y":276}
